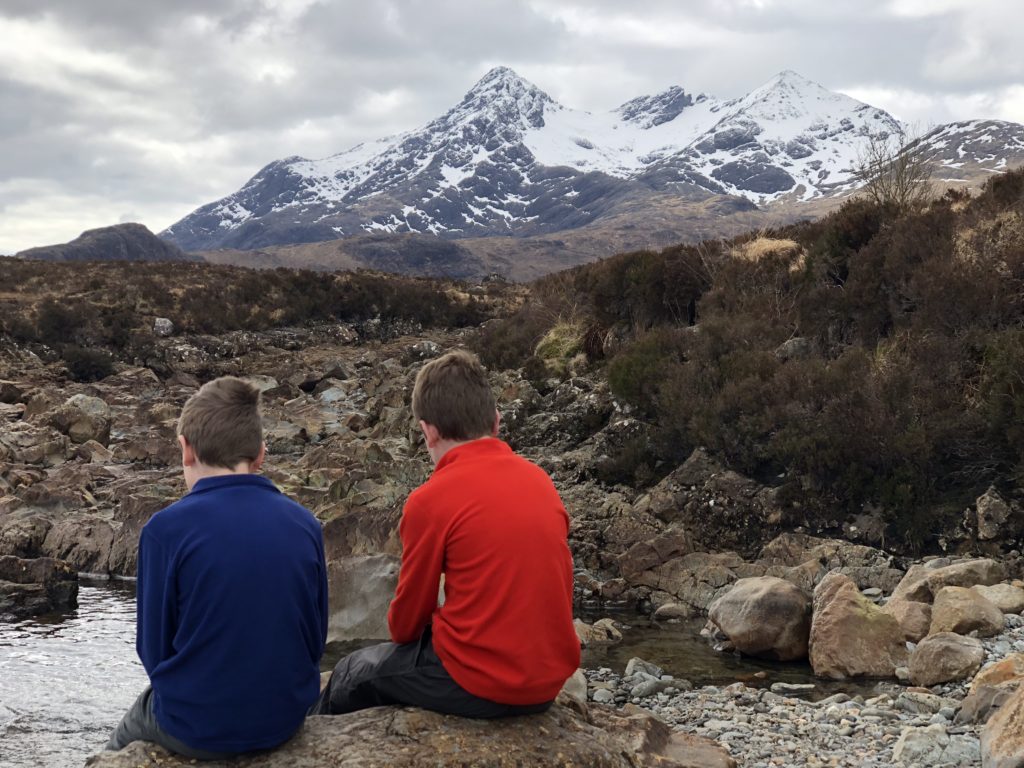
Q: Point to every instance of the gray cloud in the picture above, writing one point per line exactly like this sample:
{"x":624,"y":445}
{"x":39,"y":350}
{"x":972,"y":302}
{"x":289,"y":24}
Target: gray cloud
{"x":117,"y":108}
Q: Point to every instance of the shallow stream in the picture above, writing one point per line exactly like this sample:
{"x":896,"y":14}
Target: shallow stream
{"x":66,"y":679}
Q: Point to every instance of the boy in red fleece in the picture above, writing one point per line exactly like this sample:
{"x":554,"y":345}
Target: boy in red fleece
{"x":503,"y":642}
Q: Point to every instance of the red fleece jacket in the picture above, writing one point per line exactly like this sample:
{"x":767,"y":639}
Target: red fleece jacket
{"x":493,"y":524}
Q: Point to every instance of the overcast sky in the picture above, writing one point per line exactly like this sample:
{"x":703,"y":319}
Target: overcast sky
{"x":137,"y":110}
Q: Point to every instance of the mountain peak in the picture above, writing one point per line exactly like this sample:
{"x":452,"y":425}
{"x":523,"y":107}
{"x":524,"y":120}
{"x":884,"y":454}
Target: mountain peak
{"x":503,"y":93}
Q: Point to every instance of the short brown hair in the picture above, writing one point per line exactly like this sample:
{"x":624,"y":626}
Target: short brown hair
{"x":222,"y":422}
{"x":452,"y":394}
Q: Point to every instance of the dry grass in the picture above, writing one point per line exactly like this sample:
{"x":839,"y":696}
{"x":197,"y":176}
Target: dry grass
{"x":761,"y":247}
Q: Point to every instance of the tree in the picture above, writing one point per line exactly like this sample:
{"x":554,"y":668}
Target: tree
{"x":894,"y":171}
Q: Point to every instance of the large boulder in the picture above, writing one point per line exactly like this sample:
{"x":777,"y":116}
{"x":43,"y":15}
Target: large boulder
{"x":1006,"y":597}
{"x":391,"y":737}
{"x":931,"y":745}
{"x":962,"y":610}
{"x":915,"y":618}
{"x":850,"y":635}
{"x":991,"y":688}
{"x":992,"y":515}
{"x":40,"y":585}
{"x":923,"y":582}
{"x":1002,"y":738}
{"x":765,"y":616}
{"x":360,"y":590}
{"x":945,"y":657}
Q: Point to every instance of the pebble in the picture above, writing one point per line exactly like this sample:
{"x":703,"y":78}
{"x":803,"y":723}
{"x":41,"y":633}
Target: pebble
{"x":771,"y":728}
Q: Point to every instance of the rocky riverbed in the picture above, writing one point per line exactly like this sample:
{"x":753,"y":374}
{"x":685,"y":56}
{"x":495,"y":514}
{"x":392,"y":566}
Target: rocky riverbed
{"x":84,"y":466}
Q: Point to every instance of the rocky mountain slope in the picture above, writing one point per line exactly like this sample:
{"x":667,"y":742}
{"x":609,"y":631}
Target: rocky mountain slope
{"x":122,"y":242}
{"x":509,"y":160}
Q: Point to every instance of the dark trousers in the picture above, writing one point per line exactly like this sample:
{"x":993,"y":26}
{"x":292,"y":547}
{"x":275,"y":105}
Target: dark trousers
{"x":410,"y":674}
{"x":139,"y":724}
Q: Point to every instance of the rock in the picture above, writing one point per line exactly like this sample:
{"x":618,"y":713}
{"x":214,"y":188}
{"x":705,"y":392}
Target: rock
{"x":83,"y":542}
{"x":11,"y":392}
{"x":1002,"y":738}
{"x":962,"y":610}
{"x":94,"y":452}
{"x":83,"y":418}
{"x":797,"y":348}
{"x":670,"y":611}
{"x":766,"y":617}
{"x":360,"y":589}
{"x":923,"y":582}
{"x":992,"y":514}
{"x":576,"y":687}
{"x":790,"y":689}
{"x":636,"y":664}
{"x":24,"y":443}
{"x":917,"y":703}
{"x":39,"y":585}
{"x":262,"y":383}
{"x":391,"y":737}
{"x":644,"y":555}
{"x":850,"y":636}
{"x":933,"y":746}
{"x":915,"y":618}
{"x":601,"y":633}
{"x":1006,"y":597}
{"x":604,"y":696}
{"x":163,"y":327}
{"x":991,"y":688}
{"x":944,"y":657}
{"x":695,"y":579}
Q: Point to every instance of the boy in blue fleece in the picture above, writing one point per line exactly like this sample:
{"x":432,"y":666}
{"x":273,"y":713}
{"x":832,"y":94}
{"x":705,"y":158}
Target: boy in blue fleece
{"x":232,"y":594}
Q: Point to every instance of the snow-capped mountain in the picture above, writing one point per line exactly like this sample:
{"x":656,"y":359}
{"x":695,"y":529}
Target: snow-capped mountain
{"x":509,"y":160}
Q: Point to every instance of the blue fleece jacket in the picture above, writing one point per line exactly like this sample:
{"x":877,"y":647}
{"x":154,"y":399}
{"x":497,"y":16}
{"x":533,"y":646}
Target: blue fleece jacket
{"x":232,"y":614}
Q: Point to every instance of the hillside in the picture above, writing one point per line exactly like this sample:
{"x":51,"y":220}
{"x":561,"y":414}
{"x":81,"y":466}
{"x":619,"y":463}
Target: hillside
{"x":122,"y":242}
{"x":868,"y":364}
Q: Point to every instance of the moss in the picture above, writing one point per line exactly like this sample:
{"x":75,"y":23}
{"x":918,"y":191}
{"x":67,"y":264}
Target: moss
{"x":559,"y":346}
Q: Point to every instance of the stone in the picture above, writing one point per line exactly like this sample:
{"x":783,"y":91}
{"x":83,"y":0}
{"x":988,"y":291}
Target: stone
{"x":991,"y":688}
{"x":992,"y":514}
{"x":601,"y":633}
{"x":850,"y":635}
{"x":360,"y":589}
{"x":83,"y":418}
{"x":924,"y":581}
{"x":917,"y":703}
{"x":944,"y":657}
{"x":24,"y":443}
{"x":962,"y":610}
{"x":765,"y":617}
{"x":915,"y":618}
{"x":644,"y":555}
{"x":1006,"y":597}
{"x":670,"y":611}
{"x":636,"y":664}
{"x":391,"y":737}
{"x":163,"y":327}
{"x":262,"y":383}
{"x":576,"y":687}
{"x":1002,"y":738}
{"x":604,"y":696}
{"x":29,"y":587}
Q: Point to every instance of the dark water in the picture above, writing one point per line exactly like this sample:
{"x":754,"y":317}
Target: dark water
{"x":66,"y":679}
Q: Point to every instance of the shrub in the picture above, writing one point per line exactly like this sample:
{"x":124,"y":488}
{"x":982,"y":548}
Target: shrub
{"x":87,"y":364}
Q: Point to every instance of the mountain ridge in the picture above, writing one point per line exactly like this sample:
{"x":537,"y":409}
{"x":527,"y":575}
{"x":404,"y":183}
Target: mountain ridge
{"x":508,"y":160}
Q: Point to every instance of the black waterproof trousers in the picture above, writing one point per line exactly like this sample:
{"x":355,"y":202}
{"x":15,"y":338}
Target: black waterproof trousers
{"x":409,"y":674}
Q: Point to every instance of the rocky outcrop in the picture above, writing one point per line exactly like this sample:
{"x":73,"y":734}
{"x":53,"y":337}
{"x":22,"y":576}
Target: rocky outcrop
{"x":965,"y":611}
{"x":31,"y":587}
{"x":850,"y":636}
{"x":360,"y":589}
{"x":992,"y":516}
{"x":766,"y":617}
{"x":944,"y":657}
{"x":1002,"y":738}
{"x":390,"y":737}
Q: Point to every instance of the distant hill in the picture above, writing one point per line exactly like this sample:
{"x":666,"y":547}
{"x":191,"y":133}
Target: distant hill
{"x":122,"y":242}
